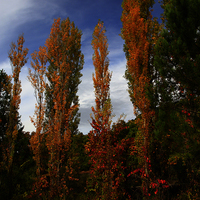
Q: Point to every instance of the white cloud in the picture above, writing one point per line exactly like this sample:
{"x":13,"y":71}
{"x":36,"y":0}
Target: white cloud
{"x":85,"y":92}
{"x":6,"y":66}
{"x":27,"y":95}
{"x":15,"y":13}
{"x":27,"y":105}
{"x":118,"y":91}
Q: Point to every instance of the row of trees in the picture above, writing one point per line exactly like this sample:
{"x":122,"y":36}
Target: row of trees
{"x":155,"y":156}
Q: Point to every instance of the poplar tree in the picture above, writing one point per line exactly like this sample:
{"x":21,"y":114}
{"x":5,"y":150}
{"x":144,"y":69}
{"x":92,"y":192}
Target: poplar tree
{"x":37,"y":77}
{"x":65,"y":62}
{"x":101,"y":119}
{"x":101,"y":78}
{"x":102,"y":146}
{"x":17,"y":56}
{"x":70,"y":51}
{"x":140,"y":33}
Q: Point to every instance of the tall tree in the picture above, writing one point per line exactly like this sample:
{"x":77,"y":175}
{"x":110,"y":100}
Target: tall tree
{"x":66,"y":61}
{"x":37,"y":78}
{"x":177,"y":60}
{"x":140,"y":33}
{"x":18,"y":59}
{"x":69,"y":44}
{"x":102,"y":146}
{"x":101,"y":119}
{"x":5,"y":98}
{"x":101,"y":78}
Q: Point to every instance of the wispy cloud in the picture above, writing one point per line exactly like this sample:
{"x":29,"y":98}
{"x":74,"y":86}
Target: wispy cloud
{"x":118,"y":88}
{"x":6,"y":66}
{"x":118,"y":92}
{"x":16,"y":13}
{"x":27,"y":96}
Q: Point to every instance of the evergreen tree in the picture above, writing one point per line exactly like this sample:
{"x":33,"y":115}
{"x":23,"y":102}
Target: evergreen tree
{"x":177,"y":128}
{"x":5,"y":98}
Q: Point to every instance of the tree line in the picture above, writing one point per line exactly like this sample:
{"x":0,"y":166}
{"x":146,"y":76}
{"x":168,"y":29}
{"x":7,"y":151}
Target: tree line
{"x":154,"y":156}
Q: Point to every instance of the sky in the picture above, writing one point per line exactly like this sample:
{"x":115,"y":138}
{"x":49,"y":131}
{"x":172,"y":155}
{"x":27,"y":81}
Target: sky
{"x":34,"y":19}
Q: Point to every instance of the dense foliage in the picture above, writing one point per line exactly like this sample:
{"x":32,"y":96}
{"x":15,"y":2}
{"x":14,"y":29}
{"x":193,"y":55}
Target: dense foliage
{"x":154,"y":156}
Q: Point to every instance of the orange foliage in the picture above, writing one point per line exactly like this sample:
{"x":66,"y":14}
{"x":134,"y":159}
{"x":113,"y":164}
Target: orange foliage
{"x":98,"y":144}
{"x":37,"y":79}
{"x":101,"y":78}
{"x":135,"y":32}
{"x":17,"y":55}
{"x":58,"y":135}
{"x":105,"y":152}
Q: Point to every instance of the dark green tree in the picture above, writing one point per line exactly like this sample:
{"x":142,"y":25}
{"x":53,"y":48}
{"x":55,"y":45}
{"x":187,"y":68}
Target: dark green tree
{"x":5,"y":98}
{"x":177,"y":61}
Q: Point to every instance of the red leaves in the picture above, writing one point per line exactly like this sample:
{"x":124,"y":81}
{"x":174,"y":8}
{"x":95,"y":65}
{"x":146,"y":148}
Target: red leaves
{"x":138,"y":33}
{"x":188,"y":118}
{"x":105,"y":152}
{"x":159,"y":184}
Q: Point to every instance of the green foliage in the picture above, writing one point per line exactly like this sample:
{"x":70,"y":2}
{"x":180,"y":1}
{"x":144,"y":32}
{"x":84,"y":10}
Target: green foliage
{"x":177,"y":85}
{"x":80,"y":165}
{"x":23,"y":169}
{"x":5,"y":98}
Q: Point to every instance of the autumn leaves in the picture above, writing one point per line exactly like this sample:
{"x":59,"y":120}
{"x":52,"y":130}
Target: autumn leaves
{"x":55,"y":75}
{"x":55,"y":113}
{"x":18,"y":59}
{"x":148,"y":157}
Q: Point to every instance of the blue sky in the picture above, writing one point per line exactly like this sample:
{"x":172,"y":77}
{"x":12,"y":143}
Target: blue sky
{"x":34,"y":18}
